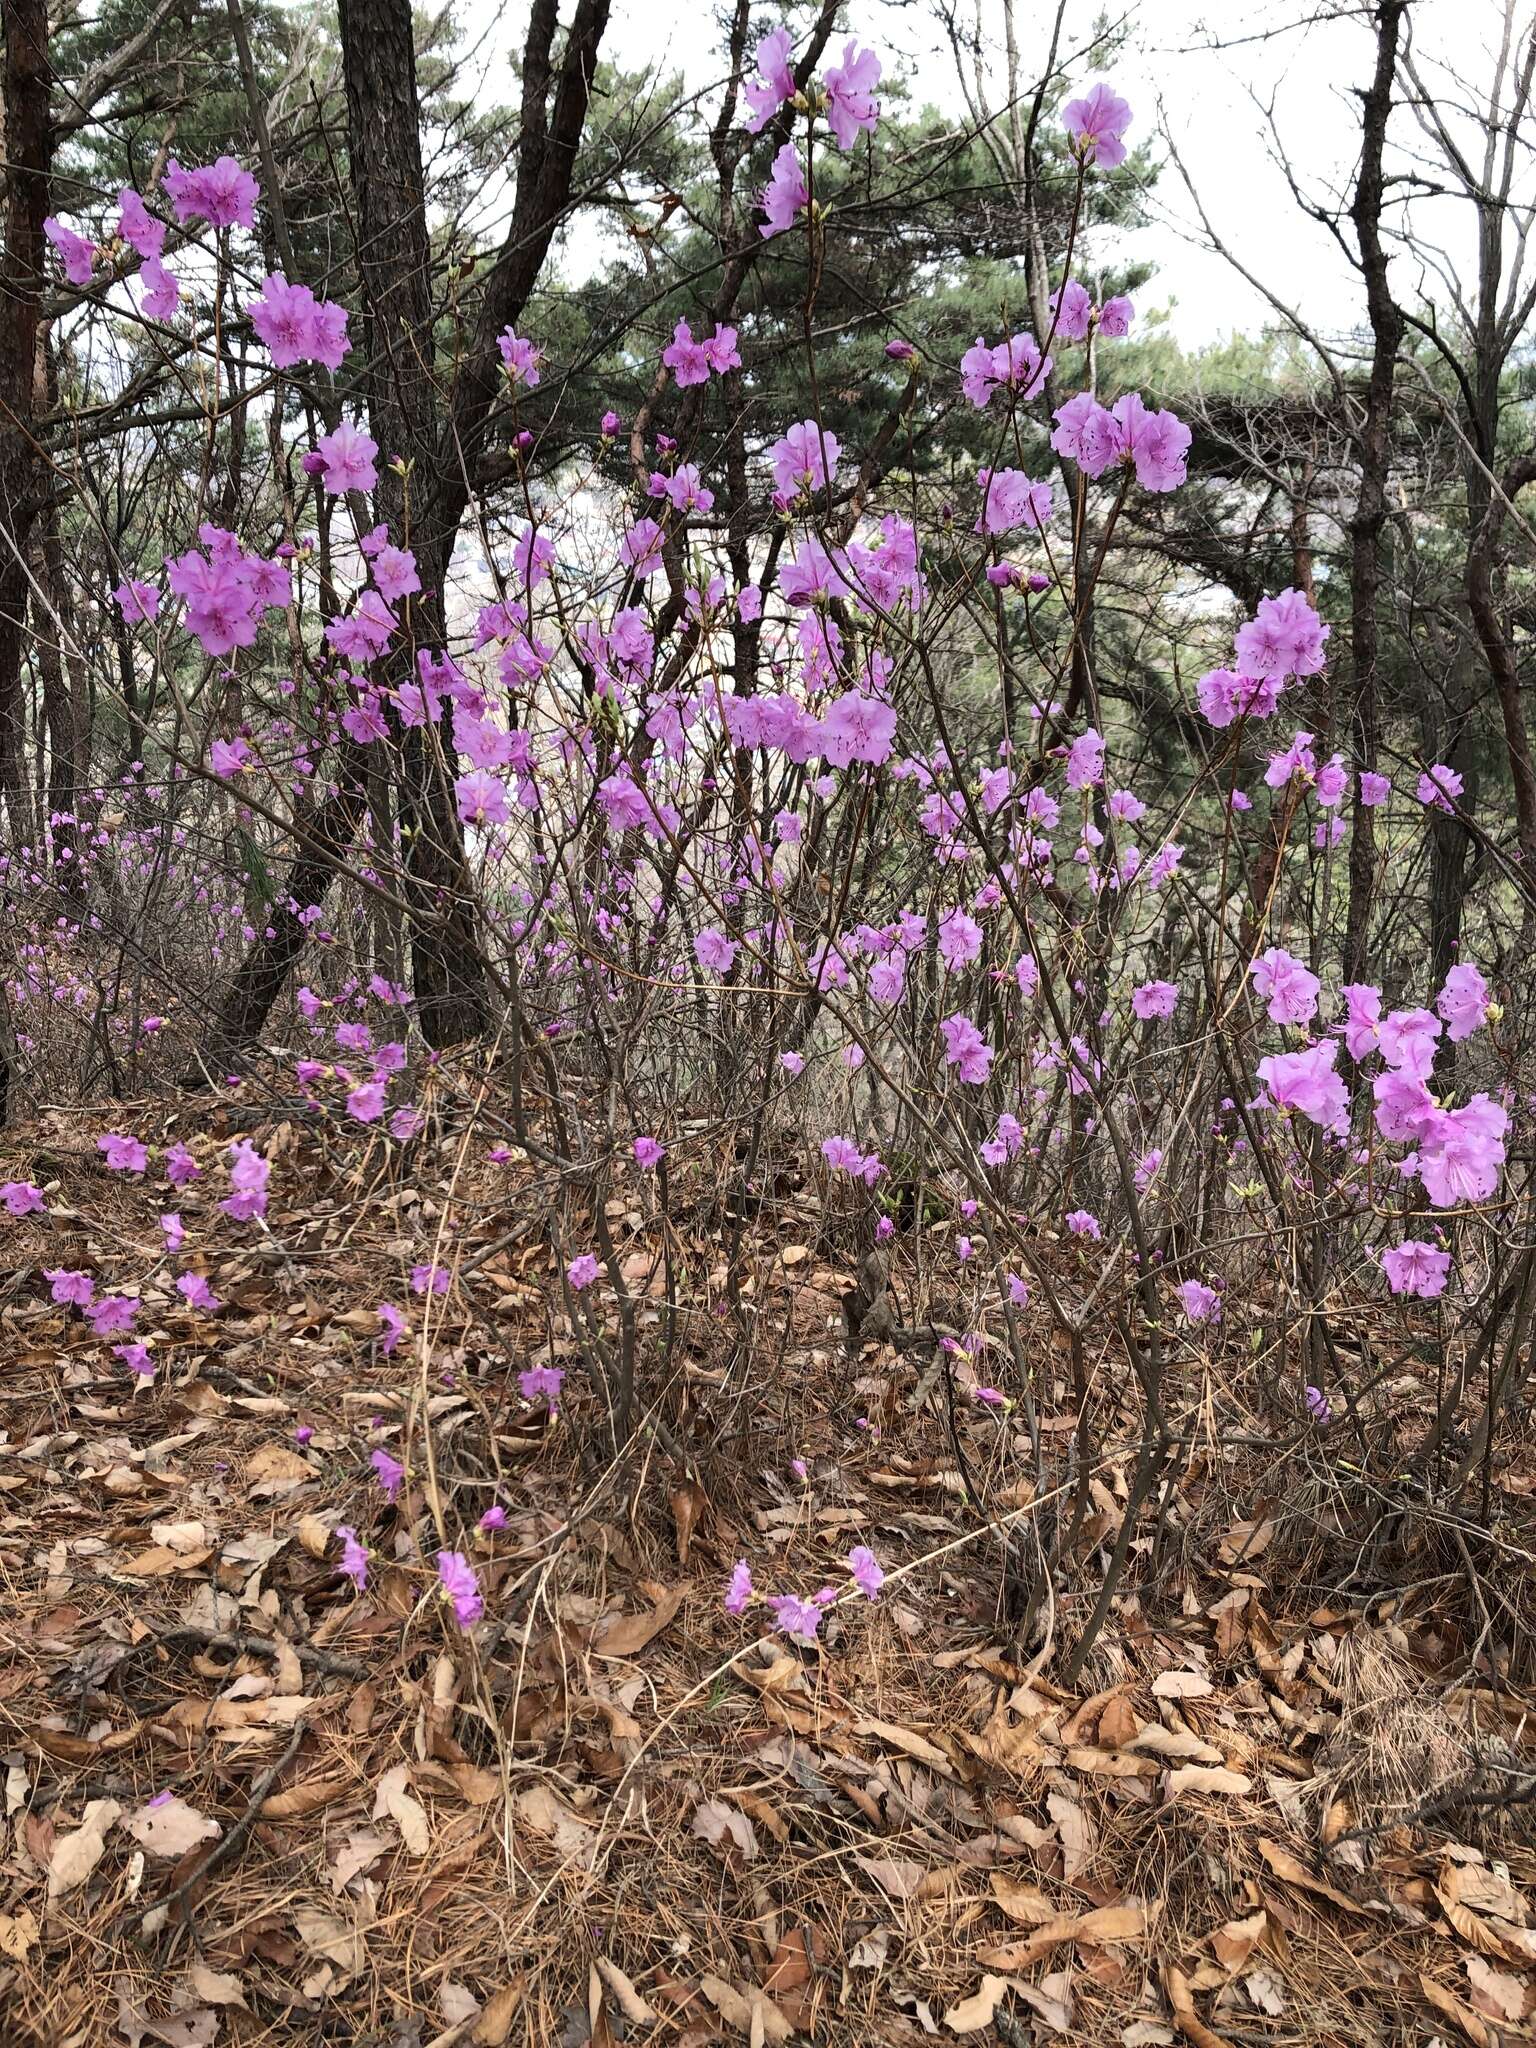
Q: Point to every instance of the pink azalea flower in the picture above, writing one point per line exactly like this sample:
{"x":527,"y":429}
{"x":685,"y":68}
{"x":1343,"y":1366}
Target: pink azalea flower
{"x":138,"y":602}
{"x":347,"y":460}
{"x":1461,"y":1152}
{"x":1154,"y":999}
{"x":1011,"y":499}
{"x":965,"y":1049}
{"x":1439,"y":787}
{"x":457,"y":1578}
{"x":1155,"y":443}
{"x":1284,"y":638}
{"x":354,"y":1558}
{"x":162,"y":293}
{"x":1290,"y":989}
{"x":221,"y":193}
{"x":389,"y":1472}
{"x":1305,"y":1081}
{"x":75,"y":253}
{"x":70,"y":1288}
{"x":1071,"y":311}
{"x":137,"y":1359}
{"x":1463,"y":1002}
{"x":542,"y":1383}
{"x":113,"y":1315}
{"x":797,"y":1618}
{"x":1362,"y":1003}
{"x":582,"y":1270}
{"x":1083,"y":1223}
{"x":1086,"y":434}
{"x":804,"y":459}
{"x":394,"y":1326}
{"x":1096,"y":124}
{"x":1201,"y":1304}
{"x":739,"y":1591}
{"x":22,"y":1198}
{"x":123,"y":1155}
{"x":248,"y":1176}
{"x":1414,"y":1267}
{"x":649,"y":1153}
{"x":521,"y":358}
{"x":851,"y":104}
{"x":785,"y":193}
{"x":715,"y":953}
{"x":180,"y":1166}
{"x":685,"y":357}
{"x":867,"y":1575}
{"x":195,"y":1291}
{"x":366,"y":1101}
{"x":431,"y":1279}
{"x":775,"y":82}
{"x":137,"y":225}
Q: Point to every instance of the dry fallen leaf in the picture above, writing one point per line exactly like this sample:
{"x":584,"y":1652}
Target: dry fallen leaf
{"x":897,"y":1875}
{"x":1079,"y":1836}
{"x":977,"y":2011}
{"x":1051,"y":1999}
{"x":1177,"y":1743}
{"x":340,"y":1942}
{"x":1185,"y":2018}
{"x":1234,"y":1943}
{"x":1294,"y":1871}
{"x":1455,"y":2011}
{"x":546,"y":1813}
{"x":76,"y":1855}
{"x":307,"y":1796}
{"x":216,"y":1987}
{"x":497,"y":2015}
{"x":394,"y":1802}
{"x":457,"y":2003}
{"x":1181,"y":1685}
{"x":1207,"y":1778}
{"x":1104,"y":1924}
{"x":906,"y":1739}
{"x":631,"y":2003}
{"x":751,"y":2014}
{"x":169,"y":1827}
{"x":360,"y":1849}
{"x":18,"y":1932}
{"x":1022,"y":1903}
{"x":626,"y":1635}
{"x":1495,"y":1992}
{"x":713,"y":1821}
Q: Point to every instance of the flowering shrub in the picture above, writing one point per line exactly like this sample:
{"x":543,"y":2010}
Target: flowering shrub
{"x":738,"y":859}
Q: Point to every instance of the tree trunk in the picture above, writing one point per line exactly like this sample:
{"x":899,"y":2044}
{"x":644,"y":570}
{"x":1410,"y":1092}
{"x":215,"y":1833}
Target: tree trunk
{"x":384,"y":141}
{"x":383,"y":124}
{"x":28,"y":151}
{"x":1374,"y":448}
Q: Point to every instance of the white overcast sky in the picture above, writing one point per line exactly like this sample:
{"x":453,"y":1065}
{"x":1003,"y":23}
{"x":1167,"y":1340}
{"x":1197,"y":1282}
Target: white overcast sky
{"x":1230,"y":81}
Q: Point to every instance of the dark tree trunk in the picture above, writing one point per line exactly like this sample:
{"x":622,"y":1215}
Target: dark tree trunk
{"x":28,"y":151}
{"x":327,"y":832}
{"x":1374,"y":447}
{"x":384,"y":138}
{"x":389,"y":193}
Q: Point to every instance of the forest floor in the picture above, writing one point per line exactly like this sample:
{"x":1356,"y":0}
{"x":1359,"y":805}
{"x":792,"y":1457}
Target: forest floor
{"x":246,"y":1803}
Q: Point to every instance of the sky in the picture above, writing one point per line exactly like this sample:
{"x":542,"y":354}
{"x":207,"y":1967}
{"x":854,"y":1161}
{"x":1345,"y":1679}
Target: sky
{"x":1227,"y":85}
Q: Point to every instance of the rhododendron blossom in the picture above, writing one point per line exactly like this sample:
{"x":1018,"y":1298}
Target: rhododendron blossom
{"x":1414,"y":1267}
